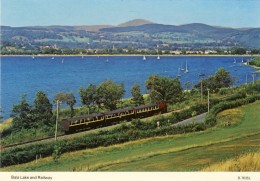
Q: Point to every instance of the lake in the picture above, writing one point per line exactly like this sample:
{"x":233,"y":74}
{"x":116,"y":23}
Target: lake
{"x":27,"y":75}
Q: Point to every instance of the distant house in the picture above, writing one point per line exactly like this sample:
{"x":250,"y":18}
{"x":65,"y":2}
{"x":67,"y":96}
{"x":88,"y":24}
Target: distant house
{"x":176,"y":52}
{"x":210,"y":52}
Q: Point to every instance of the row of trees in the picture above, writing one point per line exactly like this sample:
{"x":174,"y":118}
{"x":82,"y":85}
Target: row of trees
{"x":108,"y":93}
{"x":27,"y":116}
{"x":106,"y":96}
{"x":40,"y":113}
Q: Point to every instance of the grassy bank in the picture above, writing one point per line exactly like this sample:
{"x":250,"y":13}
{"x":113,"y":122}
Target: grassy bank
{"x":187,"y":152}
{"x":245,"y":162}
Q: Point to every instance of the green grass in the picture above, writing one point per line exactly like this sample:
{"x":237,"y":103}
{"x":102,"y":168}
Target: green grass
{"x":187,"y":152}
{"x":5,"y":124}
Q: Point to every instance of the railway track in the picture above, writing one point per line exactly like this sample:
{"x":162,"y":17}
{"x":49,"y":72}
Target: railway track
{"x":28,"y":142}
{"x":63,"y":136}
{"x":59,"y":137}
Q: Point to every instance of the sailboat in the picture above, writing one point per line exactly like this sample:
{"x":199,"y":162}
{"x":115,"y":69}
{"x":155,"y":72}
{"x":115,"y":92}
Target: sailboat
{"x":144,"y":58}
{"x":52,"y":58}
{"x":179,"y":72}
{"x":235,"y":61}
{"x":186,"y":70}
{"x":62,"y":61}
{"x":182,"y":67}
{"x":158,"y":58}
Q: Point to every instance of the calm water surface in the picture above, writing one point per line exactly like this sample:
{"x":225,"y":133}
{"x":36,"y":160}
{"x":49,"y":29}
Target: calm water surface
{"x":25,"y":75}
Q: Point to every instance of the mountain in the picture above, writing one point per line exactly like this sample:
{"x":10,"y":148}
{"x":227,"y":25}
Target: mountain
{"x":138,"y":34}
{"x":135,"y":22}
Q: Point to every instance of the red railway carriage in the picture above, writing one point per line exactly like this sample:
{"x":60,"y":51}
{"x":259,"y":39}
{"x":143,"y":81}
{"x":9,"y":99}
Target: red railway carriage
{"x":113,"y":117}
{"x":76,"y":124}
{"x":81,"y":123}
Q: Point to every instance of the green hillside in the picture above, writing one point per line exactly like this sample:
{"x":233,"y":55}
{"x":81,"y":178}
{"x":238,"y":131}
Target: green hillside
{"x":187,"y":152}
{"x":137,"y":34}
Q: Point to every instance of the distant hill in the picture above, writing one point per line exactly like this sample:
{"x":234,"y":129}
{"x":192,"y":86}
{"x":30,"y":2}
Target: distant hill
{"x":137,"y":33}
{"x":135,"y":22}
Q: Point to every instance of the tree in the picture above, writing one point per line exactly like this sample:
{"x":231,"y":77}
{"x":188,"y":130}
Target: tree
{"x":71,"y":101}
{"x":88,"y":96}
{"x":42,"y":109}
{"x":221,"y":79}
{"x":239,"y":51}
{"x":67,"y":98}
{"x":138,"y":98}
{"x":164,"y":88}
{"x":22,"y":115}
{"x":108,"y":94}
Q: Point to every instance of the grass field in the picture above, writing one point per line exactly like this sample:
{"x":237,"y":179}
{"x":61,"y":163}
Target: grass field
{"x":245,"y":162}
{"x":186,"y":152}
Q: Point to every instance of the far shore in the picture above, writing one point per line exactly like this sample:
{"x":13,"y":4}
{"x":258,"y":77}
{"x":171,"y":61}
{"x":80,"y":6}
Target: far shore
{"x":122,"y":55}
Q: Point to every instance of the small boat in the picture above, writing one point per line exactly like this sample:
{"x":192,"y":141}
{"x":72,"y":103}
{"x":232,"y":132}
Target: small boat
{"x":144,"y":58}
{"x":182,"y":67}
{"x":32,"y":57}
{"x":246,"y":63}
{"x":235,"y":61}
{"x":186,"y":70}
{"x":62,"y":61}
{"x":179,"y":72}
{"x":158,"y":58}
{"x":52,"y":58}
{"x":201,"y":74}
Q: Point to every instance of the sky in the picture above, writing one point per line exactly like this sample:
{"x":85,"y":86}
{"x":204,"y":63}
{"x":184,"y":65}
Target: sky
{"x":227,"y":13}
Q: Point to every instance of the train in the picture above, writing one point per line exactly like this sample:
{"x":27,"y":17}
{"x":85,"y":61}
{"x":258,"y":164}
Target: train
{"x":82,"y":123}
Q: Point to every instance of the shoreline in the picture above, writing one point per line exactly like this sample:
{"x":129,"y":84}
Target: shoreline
{"x":129,"y":55}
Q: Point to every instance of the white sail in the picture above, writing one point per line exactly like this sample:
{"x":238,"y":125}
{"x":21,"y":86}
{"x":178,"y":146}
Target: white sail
{"x":179,"y":72}
{"x":182,"y":66}
{"x":144,"y":58}
{"x":186,"y":70}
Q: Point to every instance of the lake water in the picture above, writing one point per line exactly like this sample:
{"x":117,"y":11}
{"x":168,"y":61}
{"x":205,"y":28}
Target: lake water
{"x":25,"y":75}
